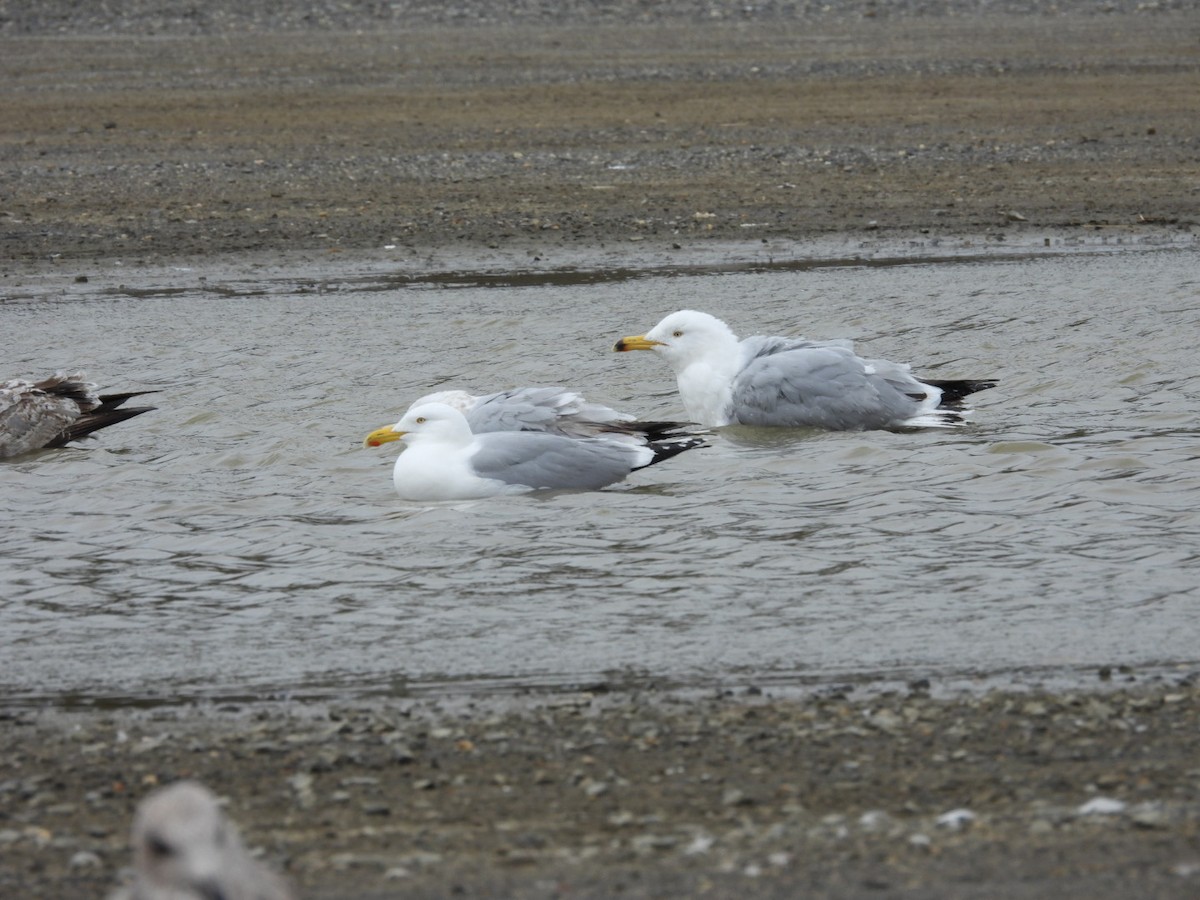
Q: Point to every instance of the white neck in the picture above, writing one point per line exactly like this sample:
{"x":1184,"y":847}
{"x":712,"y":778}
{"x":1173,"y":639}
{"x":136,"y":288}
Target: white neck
{"x":705,"y":375}
{"x":706,"y":387}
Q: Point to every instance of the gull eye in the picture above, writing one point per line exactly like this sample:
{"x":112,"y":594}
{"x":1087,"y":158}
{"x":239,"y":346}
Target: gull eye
{"x":678,"y":334}
{"x":420,"y":420}
{"x":159,"y":848}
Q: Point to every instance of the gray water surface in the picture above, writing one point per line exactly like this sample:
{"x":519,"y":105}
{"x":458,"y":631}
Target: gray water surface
{"x":240,"y":542}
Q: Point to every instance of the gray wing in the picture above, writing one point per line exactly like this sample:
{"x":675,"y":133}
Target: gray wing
{"x":34,"y":414}
{"x":762,"y":345}
{"x":539,"y":460}
{"x":820,"y":385}
{"x":551,"y":409}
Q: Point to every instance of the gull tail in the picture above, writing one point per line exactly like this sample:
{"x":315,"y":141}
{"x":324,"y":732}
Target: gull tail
{"x":672,"y":446}
{"x":954,"y":393}
{"x":952,"y":409}
{"x":656,"y":431}
{"x":107,"y":413}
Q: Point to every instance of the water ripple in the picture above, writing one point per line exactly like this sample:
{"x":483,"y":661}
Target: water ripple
{"x":238,"y":540}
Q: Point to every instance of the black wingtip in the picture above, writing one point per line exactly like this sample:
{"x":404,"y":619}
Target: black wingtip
{"x":665,"y":449}
{"x":954,"y":391}
{"x":99,"y":418}
{"x":112,"y":401}
{"x":657,"y":431}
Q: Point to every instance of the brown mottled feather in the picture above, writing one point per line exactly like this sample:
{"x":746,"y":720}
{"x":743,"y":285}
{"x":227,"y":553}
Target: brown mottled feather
{"x":57,"y":410}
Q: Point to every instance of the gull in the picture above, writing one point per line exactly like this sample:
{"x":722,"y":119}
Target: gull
{"x":57,"y":410}
{"x":554,"y":409}
{"x":445,"y":460}
{"x":185,"y":849}
{"x":792,"y":382}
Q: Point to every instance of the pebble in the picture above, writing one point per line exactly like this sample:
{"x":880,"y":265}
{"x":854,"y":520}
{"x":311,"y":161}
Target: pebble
{"x":955,"y":819}
{"x":874,"y":820}
{"x":1150,"y":815}
{"x":1101,"y":806}
{"x":85,"y":859}
{"x":302,"y":784}
{"x":595,"y":788}
{"x":736,"y":797}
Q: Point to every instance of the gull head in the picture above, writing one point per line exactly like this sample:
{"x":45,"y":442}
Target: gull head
{"x":429,"y":421}
{"x":460,"y":400}
{"x":181,"y":841}
{"x":683,"y":338}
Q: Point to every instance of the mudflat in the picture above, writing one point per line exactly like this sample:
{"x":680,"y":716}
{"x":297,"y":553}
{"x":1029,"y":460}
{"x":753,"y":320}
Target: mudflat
{"x":170,"y":130}
{"x":171,"y":133}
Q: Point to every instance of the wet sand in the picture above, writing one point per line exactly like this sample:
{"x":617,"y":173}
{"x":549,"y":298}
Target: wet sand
{"x":535,"y":135}
{"x":147,"y":142}
{"x":832,"y":792}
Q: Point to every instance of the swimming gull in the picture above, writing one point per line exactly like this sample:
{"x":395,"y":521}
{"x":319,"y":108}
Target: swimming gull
{"x":185,"y":849}
{"x":554,"y":409}
{"x":792,"y":382}
{"x":445,"y":460}
{"x":57,"y":410}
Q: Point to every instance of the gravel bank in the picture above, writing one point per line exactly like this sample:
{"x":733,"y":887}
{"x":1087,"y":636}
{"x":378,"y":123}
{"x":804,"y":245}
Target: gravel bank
{"x":838,"y":793}
{"x":184,"y":130}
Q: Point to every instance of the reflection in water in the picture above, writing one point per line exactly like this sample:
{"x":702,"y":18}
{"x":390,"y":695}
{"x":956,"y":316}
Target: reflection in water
{"x":240,"y":542}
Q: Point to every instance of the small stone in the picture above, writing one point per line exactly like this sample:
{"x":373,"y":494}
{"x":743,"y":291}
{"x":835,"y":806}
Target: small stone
{"x":955,"y":819}
{"x":885,"y":720}
{"x":874,"y":820}
{"x":595,"y":788}
{"x":85,"y":859}
{"x":1149,"y":815}
{"x":735,"y":797}
{"x":302,"y":785}
{"x":647,"y":843}
{"x":420,"y":859}
{"x":1101,"y":806}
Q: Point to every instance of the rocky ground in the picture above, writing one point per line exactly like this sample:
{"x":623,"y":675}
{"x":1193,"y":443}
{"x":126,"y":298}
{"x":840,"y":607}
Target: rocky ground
{"x":1090,"y":793}
{"x":542,"y":130}
{"x":179,"y":129}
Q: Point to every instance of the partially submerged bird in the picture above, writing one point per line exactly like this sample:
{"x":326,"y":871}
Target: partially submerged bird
{"x":185,"y":849}
{"x":57,"y":410}
{"x":445,"y":460}
{"x":556,"y":410}
{"x":792,"y":382}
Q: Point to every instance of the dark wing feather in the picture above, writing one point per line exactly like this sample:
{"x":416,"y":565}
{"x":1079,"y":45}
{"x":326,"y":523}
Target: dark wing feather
{"x":56,"y":410}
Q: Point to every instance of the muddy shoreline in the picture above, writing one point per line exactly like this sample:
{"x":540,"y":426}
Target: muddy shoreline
{"x":830,"y":793}
{"x":163,"y":137}
{"x":507,"y":135}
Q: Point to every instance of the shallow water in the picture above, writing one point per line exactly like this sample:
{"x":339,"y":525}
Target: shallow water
{"x":239,"y":542}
